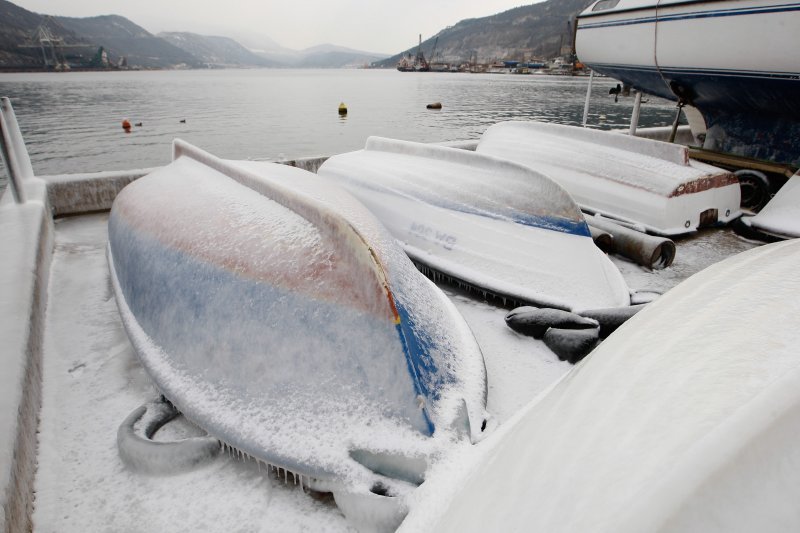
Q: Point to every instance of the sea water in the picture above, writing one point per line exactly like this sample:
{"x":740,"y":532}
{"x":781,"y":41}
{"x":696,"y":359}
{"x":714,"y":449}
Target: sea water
{"x":72,"y":122}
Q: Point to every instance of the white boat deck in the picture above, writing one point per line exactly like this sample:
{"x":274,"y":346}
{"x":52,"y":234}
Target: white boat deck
{"x":92,"y":380}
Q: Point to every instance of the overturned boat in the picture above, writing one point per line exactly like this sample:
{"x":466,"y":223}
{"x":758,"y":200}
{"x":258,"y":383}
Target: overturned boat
{"x":277,"y":314}
{"x":780,"y":218}
{"x":489,"y":224}
{"x":647,"y":183}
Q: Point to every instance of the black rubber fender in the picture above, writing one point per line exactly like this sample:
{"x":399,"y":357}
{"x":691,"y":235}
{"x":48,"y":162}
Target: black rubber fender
{"x":534,"y":321}
{"x":612,"y":318}
{"x":572,"y":345}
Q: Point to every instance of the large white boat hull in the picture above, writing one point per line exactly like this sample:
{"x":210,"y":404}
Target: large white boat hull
{"x":735,"y":60}
{"x":684,"y":419}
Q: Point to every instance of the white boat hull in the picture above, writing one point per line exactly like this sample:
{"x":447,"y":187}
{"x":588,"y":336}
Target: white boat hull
{"x":493,"y":225}
{"x":645,"y":182}
{"x":736,"y":61}
{"x":781,"y":216}
{"x":684,"y":419}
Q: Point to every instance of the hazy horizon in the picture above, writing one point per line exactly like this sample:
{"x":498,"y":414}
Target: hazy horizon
{"x":368,"y":25}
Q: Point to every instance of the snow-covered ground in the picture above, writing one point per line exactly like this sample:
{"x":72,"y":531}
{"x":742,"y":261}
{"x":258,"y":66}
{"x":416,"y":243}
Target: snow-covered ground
{"x":93,"y":380}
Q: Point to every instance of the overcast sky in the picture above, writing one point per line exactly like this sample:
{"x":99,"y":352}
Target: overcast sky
{"x":369,"y":25}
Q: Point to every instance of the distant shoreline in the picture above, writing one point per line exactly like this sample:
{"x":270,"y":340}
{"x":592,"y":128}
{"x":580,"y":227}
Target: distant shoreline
{"x":39,"y":70}
{"x":35,"y":70}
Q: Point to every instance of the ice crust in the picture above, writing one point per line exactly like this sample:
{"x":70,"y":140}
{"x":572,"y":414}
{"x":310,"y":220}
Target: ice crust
{"x":496,"y":225}
{"x":685,"y":419}
{"x":93,"y":380}
{"x":259,"y":304}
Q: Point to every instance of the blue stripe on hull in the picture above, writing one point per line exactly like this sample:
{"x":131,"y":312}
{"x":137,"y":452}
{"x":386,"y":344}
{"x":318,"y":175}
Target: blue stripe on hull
{"x":417,"y":346}
{"x":780,"y":8}
{"x":752,"y":114}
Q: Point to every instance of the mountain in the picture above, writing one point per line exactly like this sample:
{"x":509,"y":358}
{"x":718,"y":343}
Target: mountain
{"x":28,"y":40}
{"x":332,"y":56}
{"x":225,"y":52}
{"x":334,"y":59}
{"x":76,"y":42}
{"x":122,"y":38}
{"x":214,"y":51}
{"x":537,"y":30}
{"x":19,"y":41}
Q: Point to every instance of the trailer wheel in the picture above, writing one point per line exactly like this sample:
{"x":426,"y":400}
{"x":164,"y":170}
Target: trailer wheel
{"x":756,"y":189}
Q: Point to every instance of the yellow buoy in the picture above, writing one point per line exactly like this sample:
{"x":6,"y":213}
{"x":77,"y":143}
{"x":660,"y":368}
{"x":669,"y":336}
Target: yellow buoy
{"x":342,"y":109}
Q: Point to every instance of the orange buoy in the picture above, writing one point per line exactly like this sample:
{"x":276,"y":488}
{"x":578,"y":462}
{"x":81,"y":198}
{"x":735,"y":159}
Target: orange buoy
{"x":126,"y":125}
{"x":435,"y":105}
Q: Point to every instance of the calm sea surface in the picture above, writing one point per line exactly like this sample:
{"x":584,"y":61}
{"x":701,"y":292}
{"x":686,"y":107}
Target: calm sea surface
{"x":72,"y":121}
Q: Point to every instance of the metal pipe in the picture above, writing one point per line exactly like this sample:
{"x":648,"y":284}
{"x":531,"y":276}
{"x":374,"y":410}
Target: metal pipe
{"x":588,"y":96}
{"x":637,"y":104}
{"x":647,"y":250}
{"x":676,"y":122}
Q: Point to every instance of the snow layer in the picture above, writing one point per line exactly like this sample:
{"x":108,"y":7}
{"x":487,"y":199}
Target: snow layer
{"x":685,"y":419}
{"x":639,"y":180}
{"x":93,"y":380}
{"x":70,"y":194}
{"x":495,"y":225}
{"x":24,"y":268}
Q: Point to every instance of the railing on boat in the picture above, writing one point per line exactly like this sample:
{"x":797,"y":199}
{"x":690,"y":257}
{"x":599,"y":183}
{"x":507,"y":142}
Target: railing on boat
{"x":12,"y":147}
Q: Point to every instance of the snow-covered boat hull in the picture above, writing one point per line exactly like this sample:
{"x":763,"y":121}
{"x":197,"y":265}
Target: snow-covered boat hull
{"x":685,"y":419}
{"x":275,"y":312}
{"x":733,"y":60}
{"x":490,"y":224}
{"x":649,"y":183}
{"x":781,"y":216}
